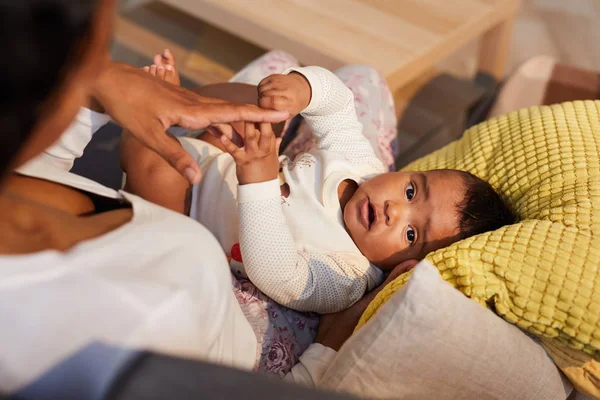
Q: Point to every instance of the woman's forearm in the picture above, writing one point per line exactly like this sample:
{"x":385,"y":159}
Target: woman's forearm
{"x":107,"y":83}
{"x":101,"y":83}
{"x":335,"y":329}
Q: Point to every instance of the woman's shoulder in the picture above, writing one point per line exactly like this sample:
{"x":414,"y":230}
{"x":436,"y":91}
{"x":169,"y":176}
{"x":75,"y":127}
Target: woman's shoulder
{"x":160,"y":282}
{"x":181,"y":252}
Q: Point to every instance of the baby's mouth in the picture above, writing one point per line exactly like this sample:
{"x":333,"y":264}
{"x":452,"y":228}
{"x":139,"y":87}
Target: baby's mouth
{"x":367,"y":213}
{"x":371,"y":215}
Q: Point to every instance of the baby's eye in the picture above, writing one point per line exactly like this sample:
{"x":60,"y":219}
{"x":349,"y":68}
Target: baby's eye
{"x":410,"y":192}
{"x":410,"y":235}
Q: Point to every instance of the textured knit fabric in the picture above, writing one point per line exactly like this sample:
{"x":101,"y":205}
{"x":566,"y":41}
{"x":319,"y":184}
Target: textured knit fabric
{"x":373,"y":103}
{"x":298,"y":252}
{"x":296,"y":249}
{"x":375,"y":110}
{"x":541,"y":273}
{"x":283,"y":334}
{"x":160,"y":282}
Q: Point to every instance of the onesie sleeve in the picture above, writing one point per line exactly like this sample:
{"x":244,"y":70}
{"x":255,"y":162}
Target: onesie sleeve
{"x":332,"y":117}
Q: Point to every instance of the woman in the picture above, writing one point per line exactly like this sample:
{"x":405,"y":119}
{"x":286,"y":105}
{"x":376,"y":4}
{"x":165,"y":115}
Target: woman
{"x":82,"y":264}
{"x":79,"y":262}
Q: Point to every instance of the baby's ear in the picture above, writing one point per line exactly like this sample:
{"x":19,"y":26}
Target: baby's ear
{"x":401,"y":268}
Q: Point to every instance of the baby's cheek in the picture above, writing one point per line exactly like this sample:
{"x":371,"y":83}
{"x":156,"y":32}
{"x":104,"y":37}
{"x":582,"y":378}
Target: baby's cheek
{"x":391,"y":251}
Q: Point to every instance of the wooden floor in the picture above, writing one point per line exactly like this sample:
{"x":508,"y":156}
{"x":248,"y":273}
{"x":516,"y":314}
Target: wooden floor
{"x":567,"y":30}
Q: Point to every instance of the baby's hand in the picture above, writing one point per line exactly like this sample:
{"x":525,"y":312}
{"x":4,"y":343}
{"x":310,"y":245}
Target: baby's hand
{"x":257,"y":161}
{"x":289,"y":93}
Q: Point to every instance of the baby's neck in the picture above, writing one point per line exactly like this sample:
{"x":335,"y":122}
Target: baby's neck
{"x":345,"y":191}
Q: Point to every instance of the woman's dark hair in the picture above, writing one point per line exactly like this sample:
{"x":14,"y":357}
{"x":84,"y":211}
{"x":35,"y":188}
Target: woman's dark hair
{"x":41,"y":41}
{"x":482,"y":209}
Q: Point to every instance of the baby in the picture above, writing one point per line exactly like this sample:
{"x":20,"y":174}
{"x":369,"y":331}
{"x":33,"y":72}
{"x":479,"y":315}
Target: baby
{"x":315,"y":232}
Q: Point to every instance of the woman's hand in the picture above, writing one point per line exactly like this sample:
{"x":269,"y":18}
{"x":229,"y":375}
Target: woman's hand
{"x":148,"y":107}
{"x":257,"y":161}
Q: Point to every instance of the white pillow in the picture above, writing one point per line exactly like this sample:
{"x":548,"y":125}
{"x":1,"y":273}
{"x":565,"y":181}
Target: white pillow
{"x":430,"y":342}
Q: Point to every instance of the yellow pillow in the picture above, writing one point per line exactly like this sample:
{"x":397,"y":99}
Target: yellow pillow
{"x":542,"y":273}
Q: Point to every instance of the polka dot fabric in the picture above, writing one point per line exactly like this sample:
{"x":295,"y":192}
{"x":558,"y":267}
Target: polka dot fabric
{"x":300,"y":280}
{"x":541,"y":273}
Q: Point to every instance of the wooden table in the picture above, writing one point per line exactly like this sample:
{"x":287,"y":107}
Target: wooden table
{"x":401,"y":38}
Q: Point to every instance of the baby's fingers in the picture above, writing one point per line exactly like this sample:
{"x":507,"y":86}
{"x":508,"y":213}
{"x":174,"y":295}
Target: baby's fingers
{"x":267,"y":137}
{"x":231,"y":148}
{"x":229,"y":130}
{"x":251,"y":138}
{"x":220,"y":129}
{"x":269,"y":82}
{"x":274,"y":102}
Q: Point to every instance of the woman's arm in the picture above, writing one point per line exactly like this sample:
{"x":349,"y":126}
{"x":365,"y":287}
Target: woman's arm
{"x":334,"y":330}
{"x":148,"y":106}
{"x":71,"y":144}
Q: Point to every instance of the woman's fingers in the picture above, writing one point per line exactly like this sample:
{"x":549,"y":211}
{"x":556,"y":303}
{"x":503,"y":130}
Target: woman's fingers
{"x":170,"y":149}
{"x":201,"y":115}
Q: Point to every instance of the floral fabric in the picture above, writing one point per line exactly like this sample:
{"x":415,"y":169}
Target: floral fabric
{"x":282,"y":333}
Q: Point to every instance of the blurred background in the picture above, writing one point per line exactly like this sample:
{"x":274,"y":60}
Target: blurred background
{"x":450,"y":64}
{"x":566,"y":30}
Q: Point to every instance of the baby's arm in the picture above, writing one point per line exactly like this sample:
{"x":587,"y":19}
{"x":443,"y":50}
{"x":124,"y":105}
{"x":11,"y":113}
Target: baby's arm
{"x":305,"y":281}
{"x":329,"y":111}
{"x":297,"y":279}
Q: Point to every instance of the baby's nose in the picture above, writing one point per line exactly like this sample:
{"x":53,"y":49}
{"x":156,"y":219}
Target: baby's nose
{"x":393,"y":211}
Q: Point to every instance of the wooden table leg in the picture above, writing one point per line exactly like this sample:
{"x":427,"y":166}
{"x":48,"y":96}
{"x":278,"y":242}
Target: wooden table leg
{"x":494,"y":48}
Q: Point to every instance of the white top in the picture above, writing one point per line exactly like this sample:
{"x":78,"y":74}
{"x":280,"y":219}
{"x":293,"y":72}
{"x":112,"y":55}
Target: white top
{"x":296,"y":249}
{"x":160,"y":282}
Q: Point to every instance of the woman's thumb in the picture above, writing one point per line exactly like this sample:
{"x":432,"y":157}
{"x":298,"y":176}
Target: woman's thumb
{"x":169,"y":148}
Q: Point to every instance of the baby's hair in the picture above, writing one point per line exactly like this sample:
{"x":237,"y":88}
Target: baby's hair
{"x":482,"y":209}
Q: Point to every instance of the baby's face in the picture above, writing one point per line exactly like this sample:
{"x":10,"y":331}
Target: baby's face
{"x":401,"y":216}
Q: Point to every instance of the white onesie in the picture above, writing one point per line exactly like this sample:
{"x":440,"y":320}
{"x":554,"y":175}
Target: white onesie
{"x":296,"y":249}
